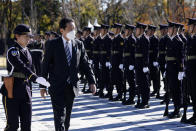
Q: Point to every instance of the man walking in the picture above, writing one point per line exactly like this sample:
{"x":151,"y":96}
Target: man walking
{"x":65,"y":56}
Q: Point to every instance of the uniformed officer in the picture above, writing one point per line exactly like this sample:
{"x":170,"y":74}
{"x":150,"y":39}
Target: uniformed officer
{"x":162,"y":51}
{"x":88,"y":44}
{"x":116,"y":60}
{"x":47,"y":35}
{"x":141,"y":65}
{"x":174,"y":67}
{"x":53,"y":35}
{"x":181,"y":33}
{"x":95,"y":53}
{"x":105,"y":65}
{"x":36,"y":49}
{"x":129,"y":63}
{"x":190,"y":66}
{"x":79,"y":35}
{"x":153,"y":61}
{"x":16,"y":89}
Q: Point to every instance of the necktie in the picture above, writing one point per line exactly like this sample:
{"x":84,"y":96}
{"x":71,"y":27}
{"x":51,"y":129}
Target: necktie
{"x":68,"y":53}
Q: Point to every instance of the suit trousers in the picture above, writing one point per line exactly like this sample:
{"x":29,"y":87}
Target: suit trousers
{"x":62,"y":114}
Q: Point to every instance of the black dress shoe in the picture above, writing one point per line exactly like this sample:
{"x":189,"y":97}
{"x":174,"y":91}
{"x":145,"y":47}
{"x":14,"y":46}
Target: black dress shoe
{"x":101,"y":95}
{"x":118,"y":98}
{"x":96,"y":94}
{"x":143,"y":106}
{"x":174,"y":115}
{"x":88,"y":91}
{"x":107,"y":95}
{"x":153,"y":93}
{"x":110,"y":98}
{"x":128,"y":102}
{"x":191,"y":121}
{"x":137,"y":105}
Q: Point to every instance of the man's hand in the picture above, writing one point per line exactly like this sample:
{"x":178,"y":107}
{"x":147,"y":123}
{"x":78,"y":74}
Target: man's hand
{"x":93,"y":88}
{"x":43,"y":92}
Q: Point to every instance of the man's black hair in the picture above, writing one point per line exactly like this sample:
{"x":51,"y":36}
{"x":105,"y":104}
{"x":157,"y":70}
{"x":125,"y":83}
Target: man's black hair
{"x":64,"y":21}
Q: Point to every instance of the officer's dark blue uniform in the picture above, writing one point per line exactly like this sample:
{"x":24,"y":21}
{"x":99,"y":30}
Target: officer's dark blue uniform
{"x":116,"y":60}
{"x":190,"y":67}
{"x":105,"y":52}
{"x":36,"y":49}
{"x":141,"y":61}
{"x":174,"y":60}
{"x":129,"y":60}
{"x":96,"y":58}
{"x":153,"y":58}
{"x":20,"y":67}
{"x":162,"y":51}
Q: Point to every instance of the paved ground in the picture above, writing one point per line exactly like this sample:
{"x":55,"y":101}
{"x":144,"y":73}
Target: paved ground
{"x":93,"y":114}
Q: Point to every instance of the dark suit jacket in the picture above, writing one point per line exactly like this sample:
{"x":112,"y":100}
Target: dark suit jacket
{"x":55,"y":65}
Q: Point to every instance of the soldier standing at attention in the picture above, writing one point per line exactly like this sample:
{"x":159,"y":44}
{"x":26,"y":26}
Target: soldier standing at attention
{"x":153,"y":61}
{"x":129,"y":62}
{"x":16,"y":89}
{"x":174,"y":67}
{"x":162,"y":51}
{"x":141,"y":65}
{"x":116,"y":58}
{"x":105,"y":52}
{"x":191,"y":66}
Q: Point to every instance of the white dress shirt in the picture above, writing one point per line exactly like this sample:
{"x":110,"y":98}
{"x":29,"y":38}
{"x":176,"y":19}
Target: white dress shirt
{"x":69,"y":44}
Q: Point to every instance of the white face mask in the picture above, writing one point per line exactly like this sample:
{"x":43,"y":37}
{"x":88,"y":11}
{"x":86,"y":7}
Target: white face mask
{"x":71,"y":35}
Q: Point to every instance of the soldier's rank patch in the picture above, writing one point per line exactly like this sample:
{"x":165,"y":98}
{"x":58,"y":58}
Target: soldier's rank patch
{"x":121,"y":43}
{"x":14,"y":53}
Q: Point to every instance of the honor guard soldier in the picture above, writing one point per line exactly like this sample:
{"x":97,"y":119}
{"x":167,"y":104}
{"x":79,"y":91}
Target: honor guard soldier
{"x":129,"y":62}
{"x":105,"y":65}
{"x":96,"y":55}
{"x":153,"y":61}
{"x":79,"y":35}
{"x":16,"y":89}
{"x":116,"y":60}
{"x":36,"y":49}
{"x":88,"y":45}
{"x":174,"y":67}
{"x":181,"y":33}
{"x":141,"y":65}
{"x":190,"y":66}
{"x":162,"y":51}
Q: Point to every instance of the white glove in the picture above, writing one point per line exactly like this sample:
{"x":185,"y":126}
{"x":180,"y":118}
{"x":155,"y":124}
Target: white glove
{"x":121,"y":66}
{"x":181,"y":75}
{"x":91,"y":62}
{"x":131,"y":67}
{"x":155,"y":64}
{"x":145,"y":69}
{"x":42,"y":81}
{"x":108,"y":64}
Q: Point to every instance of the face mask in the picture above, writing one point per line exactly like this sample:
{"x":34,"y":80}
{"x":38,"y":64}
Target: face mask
{"x":71,"y":35}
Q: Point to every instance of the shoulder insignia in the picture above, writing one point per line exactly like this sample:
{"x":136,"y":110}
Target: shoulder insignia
{"x":14,"y":53}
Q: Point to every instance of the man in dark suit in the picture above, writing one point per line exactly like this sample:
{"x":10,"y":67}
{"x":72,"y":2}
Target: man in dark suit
{"x":63,"y":58}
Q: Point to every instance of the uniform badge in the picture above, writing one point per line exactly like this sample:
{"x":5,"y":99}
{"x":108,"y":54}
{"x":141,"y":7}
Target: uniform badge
{"x":14,"y":53}
{"x":121,"y":43}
